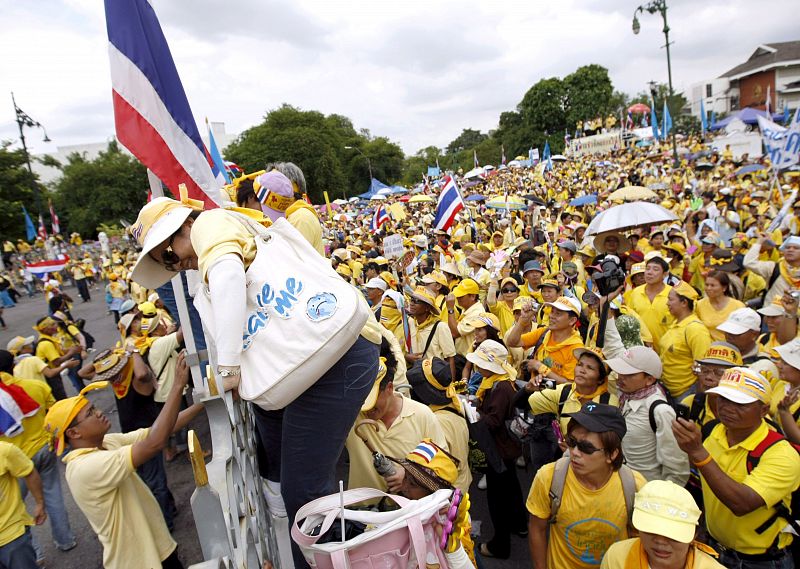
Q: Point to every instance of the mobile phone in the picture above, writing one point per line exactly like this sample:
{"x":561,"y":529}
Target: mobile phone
{"x":682,"y":411}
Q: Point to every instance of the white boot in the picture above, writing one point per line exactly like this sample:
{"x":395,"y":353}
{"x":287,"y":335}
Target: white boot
{"x":482,"y":483}
{"x":272,"y":493}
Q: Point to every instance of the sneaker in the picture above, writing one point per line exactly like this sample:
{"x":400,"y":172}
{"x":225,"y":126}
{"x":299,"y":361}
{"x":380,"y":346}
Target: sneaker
{"x":68,"y":547}
{"x":521,"y":462}
{"x":482,"y":483}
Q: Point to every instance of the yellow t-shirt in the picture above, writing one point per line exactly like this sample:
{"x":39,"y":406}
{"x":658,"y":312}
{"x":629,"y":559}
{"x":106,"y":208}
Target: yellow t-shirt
{"x":456,"y":433}
{"x":13,"y":516}
{"x":712,"y":317}
{"x":775,"y":478}
{"x":588,"y":522}
{"x":305,"y":220}
{"x":33,"y":436}
{"x":465,"y":342}
{"x":617,"y":554}
{"x":161,"y":352}
{"x":441,"y":345}
{"x":504,"y":314}
{"x":654,"y":314}
{"x":119,"y":506}
{"x":684,"y":343}
{"x":48,"y":349}
{"x":30,"y":367}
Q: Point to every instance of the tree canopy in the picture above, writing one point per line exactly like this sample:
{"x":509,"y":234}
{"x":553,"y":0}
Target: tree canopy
{"x":16,"y":190}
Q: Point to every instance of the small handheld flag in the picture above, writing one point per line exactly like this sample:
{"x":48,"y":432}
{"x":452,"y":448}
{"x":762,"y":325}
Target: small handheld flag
{"x":380,"y":217}
{"x":449,"y":204}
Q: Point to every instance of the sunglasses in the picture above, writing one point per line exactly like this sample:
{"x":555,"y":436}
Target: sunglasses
{"x":509,"y":290}
{"x":583,"y":446}
{"x":168,"y":257}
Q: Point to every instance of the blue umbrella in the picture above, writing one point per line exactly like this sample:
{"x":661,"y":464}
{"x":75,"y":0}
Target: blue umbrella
{"x":749,"y":169}
{"x":584,"y":200}
{"x":475,"y":198}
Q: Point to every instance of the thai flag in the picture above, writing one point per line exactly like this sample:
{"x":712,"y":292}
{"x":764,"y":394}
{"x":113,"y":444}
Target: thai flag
{"x":233,"y":168}
{"x":52,"y":266}
{"x":151,"y":111}
{"x":450,"y":203}
{"x":54,"y":219}
{"x":217,"y":163}
{"x":425,"y":450}
{"x":380,"y":217}
{"x":42,"y":230}
{"x":629,"y":122}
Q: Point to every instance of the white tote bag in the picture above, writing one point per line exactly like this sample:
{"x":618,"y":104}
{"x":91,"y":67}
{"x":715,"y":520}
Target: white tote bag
{"x":301,"y":316}
{"x":399,"y":539}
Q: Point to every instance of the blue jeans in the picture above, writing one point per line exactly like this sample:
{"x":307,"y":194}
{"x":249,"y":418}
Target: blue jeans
{"x":5,"y":298}
{"x":310,"y":438}
{"x":154,"y":474}
{"x":46,"y":464}
{"x":72,"y":372}
{"x":18,"y":554}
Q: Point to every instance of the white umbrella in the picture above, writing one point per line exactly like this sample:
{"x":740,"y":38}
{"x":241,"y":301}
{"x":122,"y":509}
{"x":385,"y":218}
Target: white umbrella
{"x":558,"y":158}
{"x":377,"y":197}
{"x":340,"y":201}
{"x":475,"y":172}
{"x":351,"y":200}
{"x":384,"y":191}
{"x":628,"y":216}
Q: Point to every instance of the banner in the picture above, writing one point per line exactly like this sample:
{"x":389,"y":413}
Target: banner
{"x":598,"y":143}
{"x":780,"y":143}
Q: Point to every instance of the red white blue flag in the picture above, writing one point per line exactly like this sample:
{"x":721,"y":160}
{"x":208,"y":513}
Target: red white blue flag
{"x":380,"y":217}
{"x":151,"y":111}
{"x":449,"y":204}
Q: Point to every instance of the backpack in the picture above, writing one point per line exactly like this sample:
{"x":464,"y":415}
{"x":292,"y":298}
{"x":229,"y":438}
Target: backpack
{"x":780,"y":509}
{"x":560,"y":478}
{"x":651,"y":412}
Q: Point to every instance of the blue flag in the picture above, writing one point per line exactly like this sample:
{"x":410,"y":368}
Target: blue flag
{"x":785,"y":114}
{"x":654,"y":121}
{"x":703,"y":118}
{"x":546,"y":156}
{"x":30,"y":230}
{"x":667,"y":121}
{"x":713,"y":119}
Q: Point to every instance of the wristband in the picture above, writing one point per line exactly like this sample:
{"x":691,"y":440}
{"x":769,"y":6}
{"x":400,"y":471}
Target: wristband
{"x":544,"y":370}
{"x":703,"y":462}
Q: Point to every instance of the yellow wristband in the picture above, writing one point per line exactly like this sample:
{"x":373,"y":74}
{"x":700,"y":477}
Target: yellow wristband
{"x":703,"y":462}
{"x":544,"y":370}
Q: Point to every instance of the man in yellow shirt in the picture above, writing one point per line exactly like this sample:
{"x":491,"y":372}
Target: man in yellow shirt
{"x":423,"y":323}
{"x":49,"y":350}
{"x":35,"y":443}
{"x":101,"y":474}
{"x":649,"y":300}
{"x":744,"y":501}
{"x":16,"y":549}
{"x":28,"y":366}
{"x":467,"y":295}
{"x":685,"y":342}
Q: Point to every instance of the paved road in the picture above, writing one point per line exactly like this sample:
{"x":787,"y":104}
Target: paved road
{"x":88,"y":553}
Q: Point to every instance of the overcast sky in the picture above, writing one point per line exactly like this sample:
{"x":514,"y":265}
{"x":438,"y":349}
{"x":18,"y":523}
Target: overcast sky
{"x":416,"y":72}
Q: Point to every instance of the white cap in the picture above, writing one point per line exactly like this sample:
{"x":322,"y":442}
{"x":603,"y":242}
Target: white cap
{"x":376,"y":283}
{"x":567,"y":304}
{"x":740,"y":321}
{"x":637,"y":359}
{"x":790,"y":353}
{"x":772,"y":309}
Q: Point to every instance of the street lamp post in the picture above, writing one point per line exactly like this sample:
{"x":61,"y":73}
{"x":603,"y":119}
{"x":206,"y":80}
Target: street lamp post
{"x":23,"y":120}
{"x":369,"y":162}
{"x":659,"y":6}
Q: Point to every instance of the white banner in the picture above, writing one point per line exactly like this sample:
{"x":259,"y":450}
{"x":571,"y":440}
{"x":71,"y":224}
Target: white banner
{"x":780,"y":143}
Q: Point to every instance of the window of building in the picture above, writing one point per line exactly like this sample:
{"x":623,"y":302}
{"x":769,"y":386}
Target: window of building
{"x":708,"y":90}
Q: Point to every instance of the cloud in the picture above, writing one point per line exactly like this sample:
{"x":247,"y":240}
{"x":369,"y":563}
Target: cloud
{"x":416,"y":72}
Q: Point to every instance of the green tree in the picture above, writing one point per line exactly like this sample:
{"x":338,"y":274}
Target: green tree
{"x":316,"y":143}
{"x":587,"y":94}
{"x":15,"y":191}
{"x":469,"y":138}
{"x":100,"y":191}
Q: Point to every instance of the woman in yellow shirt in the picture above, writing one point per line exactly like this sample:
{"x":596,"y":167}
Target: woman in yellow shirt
{"x":714,"y":308}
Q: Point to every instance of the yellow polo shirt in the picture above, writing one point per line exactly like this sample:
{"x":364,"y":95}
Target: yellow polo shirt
{"x":415,"y":422}
{"x":456,"y":433}
{"x":654,"y":314}
{"x":13,"y":516}
{"x":30,"y":367}
{"x":684,"y":343}
{"x":33,"y":436}
{"x":588,"y":521}
{"x":119,"y":506}
{"x":774,"y":479}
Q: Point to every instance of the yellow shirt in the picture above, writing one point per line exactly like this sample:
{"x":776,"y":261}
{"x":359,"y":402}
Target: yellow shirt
{"x":464,"y":342}
{"x":415,"y":422}
{"x":546,"y":401}
{"x":33,"y":436}
{"x":654,"y":314}
{"x":617,"y":554}
{"x":456,"y":433}
{"x":557,"y":356}
{"x":119,"y":506}
{"x":441,"y":346}
{"x":13,"y":516}
{"x":589,"y":521}
{"x":684,"y":343}
{"x":505,"y":315}
{"x":305,"y":220}
{"x":775,"y":478}
{"x":712,"y":317}
{"x":49,"y":349}
{"x":30,"y":367}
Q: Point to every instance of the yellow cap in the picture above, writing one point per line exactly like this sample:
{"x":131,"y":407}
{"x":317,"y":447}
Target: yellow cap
{"x":686,"y":290}
{"x":666,"y":509}
{"x":148,"y":309}
{"x":742,"y":385}
{"x":723,"y":354}
{"x":467,"y":286}
{"x":60,"y":416}
{"x":18,"y":342}
{"x":372,"y":396}
{"x":484,"y":319}
{"x":428,"y":455}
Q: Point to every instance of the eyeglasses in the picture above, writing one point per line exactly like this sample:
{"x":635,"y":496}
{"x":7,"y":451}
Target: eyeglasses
{"x":417,"y":301}
{"x":168,"y":256}
{"x":509,"y":290}
{"x":717,"y":372}
{"x":583,"y":446}
{"x":92,"y":411}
